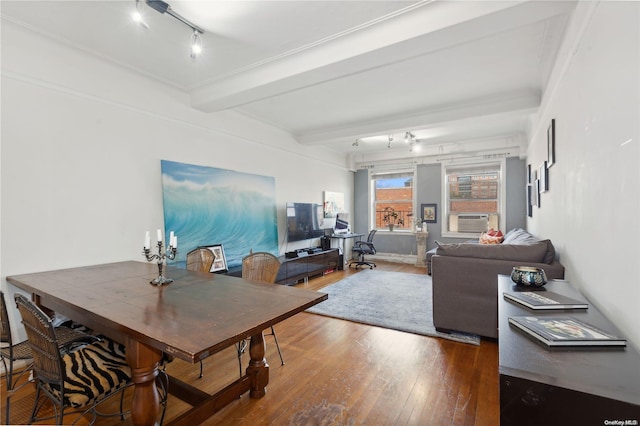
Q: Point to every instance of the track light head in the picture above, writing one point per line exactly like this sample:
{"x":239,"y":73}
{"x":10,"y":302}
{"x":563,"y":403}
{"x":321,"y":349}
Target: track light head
{"x":158,"y":5}
{"x":137,"y":17}
{"x":196,"y":44}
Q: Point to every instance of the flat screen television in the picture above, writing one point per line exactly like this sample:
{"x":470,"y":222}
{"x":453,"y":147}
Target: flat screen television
{"x":304,"y":221}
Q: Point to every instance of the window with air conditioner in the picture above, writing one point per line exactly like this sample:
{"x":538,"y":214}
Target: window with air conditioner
{"x":473,"y":198}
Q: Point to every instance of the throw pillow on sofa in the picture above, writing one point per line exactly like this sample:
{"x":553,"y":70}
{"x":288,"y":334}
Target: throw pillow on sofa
{"x":522,"y":237}
{"x":491,"y":237}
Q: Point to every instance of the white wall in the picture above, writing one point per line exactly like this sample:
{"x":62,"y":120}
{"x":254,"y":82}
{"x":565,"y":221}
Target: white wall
{"x":82,"y":141}
{"x":591,"y":211}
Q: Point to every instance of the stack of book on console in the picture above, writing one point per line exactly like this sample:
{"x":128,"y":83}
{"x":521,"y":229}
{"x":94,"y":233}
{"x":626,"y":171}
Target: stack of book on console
{"x":544,"y":300}
{"x":565,"y":331}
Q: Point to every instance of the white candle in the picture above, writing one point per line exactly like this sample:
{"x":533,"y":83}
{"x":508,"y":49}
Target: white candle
{"x":171,"y":239}
{"x":175,"y":242}
{"x":147,"y":240}
{"x":159,"y":236}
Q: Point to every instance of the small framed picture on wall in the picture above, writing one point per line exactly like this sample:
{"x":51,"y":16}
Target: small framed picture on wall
{"x":429,"y":213}
{"x":543,"y":176}
{"x":551,"y":143}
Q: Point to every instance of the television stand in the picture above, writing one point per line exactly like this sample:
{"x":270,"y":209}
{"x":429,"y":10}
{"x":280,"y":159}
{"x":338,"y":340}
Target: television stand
{"x":309,"y":262}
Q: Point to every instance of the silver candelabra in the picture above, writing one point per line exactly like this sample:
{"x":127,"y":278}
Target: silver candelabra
{"x":160,"y":258}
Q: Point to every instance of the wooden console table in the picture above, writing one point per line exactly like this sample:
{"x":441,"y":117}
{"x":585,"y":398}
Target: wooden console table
{"x":570,"y":386}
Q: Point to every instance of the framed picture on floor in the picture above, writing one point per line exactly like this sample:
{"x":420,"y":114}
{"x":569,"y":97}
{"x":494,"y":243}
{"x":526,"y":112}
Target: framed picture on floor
{"x":220,"y":261}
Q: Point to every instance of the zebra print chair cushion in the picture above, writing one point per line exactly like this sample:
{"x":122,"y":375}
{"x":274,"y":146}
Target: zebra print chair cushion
{"x":93,"y":371}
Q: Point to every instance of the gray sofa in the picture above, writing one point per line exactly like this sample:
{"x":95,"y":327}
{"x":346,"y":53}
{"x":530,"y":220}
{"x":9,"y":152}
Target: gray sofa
{"x":465,"y":285}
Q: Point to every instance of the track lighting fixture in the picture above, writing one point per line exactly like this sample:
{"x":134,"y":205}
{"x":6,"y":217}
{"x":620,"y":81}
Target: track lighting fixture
{"x":356,"y":143}
{"x":409,"y":137}
{"x":164,"y":7}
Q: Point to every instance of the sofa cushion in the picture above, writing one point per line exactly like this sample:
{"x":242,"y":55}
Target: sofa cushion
{"x":535,"y":252}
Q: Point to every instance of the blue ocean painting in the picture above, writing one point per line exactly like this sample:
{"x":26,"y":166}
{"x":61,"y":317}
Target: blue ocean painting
{"x":206,"y":205}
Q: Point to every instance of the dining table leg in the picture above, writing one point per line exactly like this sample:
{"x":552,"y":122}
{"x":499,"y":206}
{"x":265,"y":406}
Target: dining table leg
{"x":258,"y":369}
{"x":144,"y":361}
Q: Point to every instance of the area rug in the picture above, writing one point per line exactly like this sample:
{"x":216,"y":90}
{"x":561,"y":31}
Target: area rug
{"x":394,"y":300}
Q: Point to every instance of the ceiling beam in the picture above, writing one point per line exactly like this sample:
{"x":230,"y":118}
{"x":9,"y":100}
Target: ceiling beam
{"x":415,"y":30}
{"x":471,"y":110}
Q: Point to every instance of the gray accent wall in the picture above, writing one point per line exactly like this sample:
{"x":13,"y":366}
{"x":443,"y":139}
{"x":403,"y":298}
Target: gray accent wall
{"x":516,"y":181}
{"x":429,"y":190}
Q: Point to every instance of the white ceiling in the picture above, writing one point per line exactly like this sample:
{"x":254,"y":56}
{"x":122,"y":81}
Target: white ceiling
{"x":461,"y":76}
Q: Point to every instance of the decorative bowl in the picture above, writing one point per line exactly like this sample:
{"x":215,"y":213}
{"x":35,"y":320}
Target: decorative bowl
{"x":528,"y":276}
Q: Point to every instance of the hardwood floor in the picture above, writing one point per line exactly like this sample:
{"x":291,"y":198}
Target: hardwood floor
{"x":341,"y":373}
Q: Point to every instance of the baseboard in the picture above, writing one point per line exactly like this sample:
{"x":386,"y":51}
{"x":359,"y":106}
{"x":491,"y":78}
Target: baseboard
{"x":393,"y":257}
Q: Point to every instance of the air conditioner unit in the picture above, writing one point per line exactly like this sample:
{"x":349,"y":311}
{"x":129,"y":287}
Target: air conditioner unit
{"x":468,"y":222}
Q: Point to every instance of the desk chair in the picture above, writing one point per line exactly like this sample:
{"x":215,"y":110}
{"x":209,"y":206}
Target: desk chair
{"x":11,"y":352}
{"x":362,"y":248}
{"x":260,"y":267}
{"x":200,"y":259}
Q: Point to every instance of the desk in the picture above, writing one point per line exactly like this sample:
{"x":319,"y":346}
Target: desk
{"x":196,"y":316}
{"x":341,"y":238}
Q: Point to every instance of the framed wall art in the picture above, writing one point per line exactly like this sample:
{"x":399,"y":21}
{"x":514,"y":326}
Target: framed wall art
{"x":551,"y":143}
{"x":543,"y":176}
{"x":333,"y":203}
{"x":204,"y":204}
{"x":429,"y":213}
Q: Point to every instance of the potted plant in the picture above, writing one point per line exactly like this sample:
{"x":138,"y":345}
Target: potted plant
{"x":391,"y":218}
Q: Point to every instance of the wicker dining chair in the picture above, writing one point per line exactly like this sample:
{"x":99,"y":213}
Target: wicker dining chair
{"x":80,"y":379}
{"x":11,"y":352}
{"x":261,"y":267}
{"x":200,"y":259}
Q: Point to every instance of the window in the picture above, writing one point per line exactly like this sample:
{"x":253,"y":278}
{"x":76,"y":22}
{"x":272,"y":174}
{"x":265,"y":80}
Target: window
{"x":473,"y":201}
{"x":392,"y":192}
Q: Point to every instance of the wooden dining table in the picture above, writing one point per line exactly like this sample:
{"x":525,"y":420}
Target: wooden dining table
{"x":195,"y":316}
